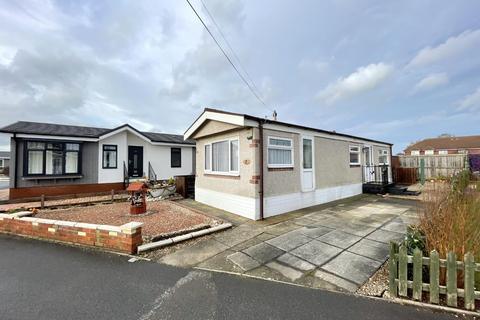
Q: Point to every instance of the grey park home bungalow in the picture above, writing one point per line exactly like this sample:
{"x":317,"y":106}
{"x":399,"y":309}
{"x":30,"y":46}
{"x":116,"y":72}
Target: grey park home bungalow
{"x":258,"y":167}
{"x":56,"y":159}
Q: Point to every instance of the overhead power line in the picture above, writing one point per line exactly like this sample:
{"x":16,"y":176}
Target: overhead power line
{"x":229,"y":46}
{"x":250,"y":87}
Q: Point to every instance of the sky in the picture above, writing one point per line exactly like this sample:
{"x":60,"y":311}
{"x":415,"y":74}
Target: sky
{"x":396,"y":71}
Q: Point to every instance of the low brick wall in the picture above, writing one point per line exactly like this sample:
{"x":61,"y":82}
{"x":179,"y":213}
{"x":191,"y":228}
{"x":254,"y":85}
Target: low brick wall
{"x":125,"y":238}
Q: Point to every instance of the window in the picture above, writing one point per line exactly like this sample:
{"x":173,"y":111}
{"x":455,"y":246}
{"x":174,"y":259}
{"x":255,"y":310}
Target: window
{"x":109,"y":156}
{"x":307,"y":154}
{"x":234,"y":155}
{"x":222,"y":157}
{"x":429,"y":152}
{"x":415,"y":152}
{"x":280,"y":152}
{"x":354,"y":155}
{"x":51,"y":158}
{"x":382,"y":156}
{"x":443,"y":152}
{"x":175,"y":157}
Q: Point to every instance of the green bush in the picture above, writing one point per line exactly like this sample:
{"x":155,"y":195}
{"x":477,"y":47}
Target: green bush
{"x":415,"y":239}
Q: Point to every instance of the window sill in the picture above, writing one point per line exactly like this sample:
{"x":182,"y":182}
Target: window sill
{"x":272,"y":166}
{"x":355,"y":165}
{"x":222,"y":175}
{"x":53,"y":177}
{"x":280,"y":169}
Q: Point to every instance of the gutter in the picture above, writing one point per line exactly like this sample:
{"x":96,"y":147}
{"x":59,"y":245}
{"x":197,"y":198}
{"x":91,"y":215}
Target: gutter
{"x":260,"y":192}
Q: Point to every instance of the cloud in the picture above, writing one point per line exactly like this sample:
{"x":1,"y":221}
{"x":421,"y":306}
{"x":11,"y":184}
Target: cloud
{"x":470,"y":102}
{"x":312,"y":65}
{"x":452,"y":47}
{"x":431,"y":81}
{"x":364,"y":79}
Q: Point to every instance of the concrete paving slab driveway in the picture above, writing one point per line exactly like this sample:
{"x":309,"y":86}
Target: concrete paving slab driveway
{"x":334,"y":246}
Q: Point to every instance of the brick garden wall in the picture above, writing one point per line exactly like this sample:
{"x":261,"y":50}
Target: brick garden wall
{"x":125,"y":238}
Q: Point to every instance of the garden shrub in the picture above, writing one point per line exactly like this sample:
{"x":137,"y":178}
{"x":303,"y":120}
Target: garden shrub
{"x":450,"y":218}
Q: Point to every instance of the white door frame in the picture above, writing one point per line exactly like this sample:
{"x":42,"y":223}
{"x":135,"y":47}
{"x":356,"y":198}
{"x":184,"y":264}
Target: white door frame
{"x":302,"y":170}
{"x":368,"y":167}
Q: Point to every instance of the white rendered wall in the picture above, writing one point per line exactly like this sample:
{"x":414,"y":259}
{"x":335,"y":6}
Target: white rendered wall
{"x":158,"y":155}
{"x":113,"y":175}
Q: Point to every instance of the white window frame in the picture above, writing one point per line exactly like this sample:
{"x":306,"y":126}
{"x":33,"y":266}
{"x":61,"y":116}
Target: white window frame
{"x":442,"y":152}
{"x":415,"y":152}
{"x":429,"y":152}
{"x":277,"y":147}
{"x":230,"y":172}
{"x":351,"y":150}
{"x":383,"y":152}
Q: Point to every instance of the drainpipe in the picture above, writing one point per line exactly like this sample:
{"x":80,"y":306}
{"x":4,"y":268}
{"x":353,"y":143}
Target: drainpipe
{"x":390,"y":162}
{"x":16,"y":161}
{"x":260,"y":192}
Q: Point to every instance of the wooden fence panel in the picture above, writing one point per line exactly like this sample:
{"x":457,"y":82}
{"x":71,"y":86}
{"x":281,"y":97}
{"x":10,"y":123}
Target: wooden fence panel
{"x":402,"y":271}
{"x":405,"y":175}
{"x":451,"y":280}
{"x":393,"y":268}
{"x":399,"y":281}
{"x":417,"y":274}
{"x":469,"y":293}
{"x":434,"y":277}
{"x":436,"y":165}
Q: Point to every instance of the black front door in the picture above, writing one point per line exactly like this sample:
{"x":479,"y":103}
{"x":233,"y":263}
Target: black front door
{"x":135,"y":161}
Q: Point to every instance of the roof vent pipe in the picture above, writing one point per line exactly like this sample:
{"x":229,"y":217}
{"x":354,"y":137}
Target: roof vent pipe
{"x":274,"y":115}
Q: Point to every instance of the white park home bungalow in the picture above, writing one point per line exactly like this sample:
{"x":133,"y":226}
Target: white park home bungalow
{"x":55,"y":159}
{"x":258,"y":168}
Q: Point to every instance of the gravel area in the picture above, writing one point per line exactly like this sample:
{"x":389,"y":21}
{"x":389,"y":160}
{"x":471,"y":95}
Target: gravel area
{"x":162,"y":216}
{"x":377,"y":285}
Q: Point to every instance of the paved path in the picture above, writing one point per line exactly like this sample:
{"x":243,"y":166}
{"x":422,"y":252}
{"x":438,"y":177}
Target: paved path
{"x":337,"y":246}
{"x":40,"y":280}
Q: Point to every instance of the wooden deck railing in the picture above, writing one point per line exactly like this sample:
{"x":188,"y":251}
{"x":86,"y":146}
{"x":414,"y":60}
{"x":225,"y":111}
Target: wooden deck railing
{"x":400,"y":282}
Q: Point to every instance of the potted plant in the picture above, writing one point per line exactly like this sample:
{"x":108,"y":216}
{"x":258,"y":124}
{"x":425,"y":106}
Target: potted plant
{"x":163,"y":189}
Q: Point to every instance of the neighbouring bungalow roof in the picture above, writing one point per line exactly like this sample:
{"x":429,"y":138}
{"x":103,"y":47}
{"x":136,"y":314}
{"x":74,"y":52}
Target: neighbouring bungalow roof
{"x":52,"y":129}
{"x":465,"y":142}
{"x":269,"y":121}
{"x":5,"y":154}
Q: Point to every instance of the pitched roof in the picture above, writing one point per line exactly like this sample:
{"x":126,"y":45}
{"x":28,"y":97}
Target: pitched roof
{"x":52,"y":129}
{"x":4,"y":154}
{"x":292,"y":125}
{"x":465,"y":142}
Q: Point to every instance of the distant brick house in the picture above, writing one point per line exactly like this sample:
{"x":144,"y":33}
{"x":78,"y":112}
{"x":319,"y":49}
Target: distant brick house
{"x":445,"y":145}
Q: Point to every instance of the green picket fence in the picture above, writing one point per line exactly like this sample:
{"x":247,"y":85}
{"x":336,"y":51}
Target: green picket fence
{"x":401,"y":265}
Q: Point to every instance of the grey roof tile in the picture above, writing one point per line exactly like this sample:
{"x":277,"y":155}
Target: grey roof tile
{"x":53,"y":129}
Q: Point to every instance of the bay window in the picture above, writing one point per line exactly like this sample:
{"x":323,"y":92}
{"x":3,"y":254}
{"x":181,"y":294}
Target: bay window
{"x":222,"y":157}
{"x":51,"y":158}
{"x":280,"y":152}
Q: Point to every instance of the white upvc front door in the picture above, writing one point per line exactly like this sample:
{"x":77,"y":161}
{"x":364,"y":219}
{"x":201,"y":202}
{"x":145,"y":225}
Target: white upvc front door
{"x":368,"y":167}
{"x":307,"y":152}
